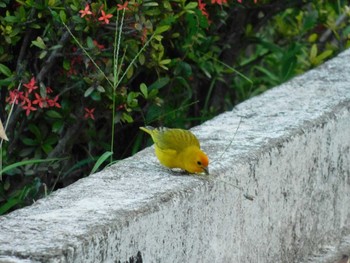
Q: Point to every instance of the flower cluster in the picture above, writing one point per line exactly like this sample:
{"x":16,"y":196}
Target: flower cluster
{"x":101,"y":15}
{"x":30,"y":99}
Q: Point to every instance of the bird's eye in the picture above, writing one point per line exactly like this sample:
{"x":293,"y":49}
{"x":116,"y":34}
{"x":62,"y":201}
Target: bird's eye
{"x":199,"y":162}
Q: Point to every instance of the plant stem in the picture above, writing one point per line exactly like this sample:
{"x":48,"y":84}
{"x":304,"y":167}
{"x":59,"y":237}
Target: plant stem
{"x":116,"y":72}
{"x":87,"y":54}
{"x":6,"y":124}
{"x":134,"y":59}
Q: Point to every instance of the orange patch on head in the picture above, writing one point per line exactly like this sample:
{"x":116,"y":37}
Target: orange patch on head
{"x":204,"y":160}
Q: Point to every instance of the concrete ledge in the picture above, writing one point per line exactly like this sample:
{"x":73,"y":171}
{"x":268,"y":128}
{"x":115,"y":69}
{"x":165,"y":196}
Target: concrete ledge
{"x":291,"y":153}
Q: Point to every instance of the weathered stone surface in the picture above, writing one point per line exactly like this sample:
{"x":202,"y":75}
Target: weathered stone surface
{"x":291,"y":153}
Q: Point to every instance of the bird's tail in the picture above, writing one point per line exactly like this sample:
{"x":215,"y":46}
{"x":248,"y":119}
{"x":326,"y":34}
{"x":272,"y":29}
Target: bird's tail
{"x":151,"y":131}
{"x":148,"y":129}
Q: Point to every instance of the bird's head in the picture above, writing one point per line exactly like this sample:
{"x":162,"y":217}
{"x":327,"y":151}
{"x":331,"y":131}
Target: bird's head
{"x":196,"y":161}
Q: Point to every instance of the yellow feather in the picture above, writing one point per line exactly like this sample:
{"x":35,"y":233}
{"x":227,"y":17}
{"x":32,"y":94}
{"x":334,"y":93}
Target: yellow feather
{"x":178,"y":148}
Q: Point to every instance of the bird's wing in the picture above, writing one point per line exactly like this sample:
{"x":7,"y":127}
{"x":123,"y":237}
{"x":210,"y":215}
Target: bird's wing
{"x":175,"y":139}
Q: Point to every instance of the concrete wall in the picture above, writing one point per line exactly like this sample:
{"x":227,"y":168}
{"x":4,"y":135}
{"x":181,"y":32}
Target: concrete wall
{"x":291,"y":154}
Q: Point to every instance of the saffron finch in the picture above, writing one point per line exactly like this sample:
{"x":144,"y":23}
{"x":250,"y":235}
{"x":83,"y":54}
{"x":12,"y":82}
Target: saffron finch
{"x":178,"y":148}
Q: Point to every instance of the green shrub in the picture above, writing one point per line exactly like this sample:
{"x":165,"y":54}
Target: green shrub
{"x":83,"y":77}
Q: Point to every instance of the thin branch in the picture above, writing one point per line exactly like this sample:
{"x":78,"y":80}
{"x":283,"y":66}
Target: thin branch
{"x":50,"y":61}
{"x":67,"y":140}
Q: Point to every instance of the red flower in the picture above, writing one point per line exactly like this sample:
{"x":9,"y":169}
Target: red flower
{"x":123,"y":6}
{"x":89,"y":113}
{"x":28,"y":107}
{"x":31,"y":85}
{"x":48,"y":90}
{"x":39,"y":100}
{"x":72,"y":71}
{"x":86,"y":11}
{"x":120,"y":107}
{"x":14,"y":96}
{"x":201,"y":7}
{"x":105,"y":17}
{"x":53,"y":103}
{"x":220,"y":2}
{"x":99,"y":46}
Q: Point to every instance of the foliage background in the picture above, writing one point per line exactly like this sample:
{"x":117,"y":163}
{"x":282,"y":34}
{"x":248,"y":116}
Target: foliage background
{"x":177,"y":63}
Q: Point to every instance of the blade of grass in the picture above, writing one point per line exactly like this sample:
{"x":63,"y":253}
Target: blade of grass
{"x":116,"y":72}
{"x":100,"y":161}
{"x":87,"y":53}
{"x":26,"y":162}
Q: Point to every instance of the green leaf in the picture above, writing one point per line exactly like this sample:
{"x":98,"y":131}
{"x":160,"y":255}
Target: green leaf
{"x":52,"y":139}
{"x":205,"y":70}
{"x":165,"y":61}
{"x":35,"y":26}
{"x":29,"y":142}
{"x":11,"y":19}
{"x":56,"y":47}
{"x":325,"y":54}
{"x":132,"y":99}
{"x":66,"y":64}
{"x":191,"y":5}
{"x":42,"y":54}
{"x":47,"y":148}
{"x":310,"y":21}
{"x":5,"y":70}
{"x":101,"y":89}
{"x":57,"y":126}
{"x":150,"y":4}
{"x":6,"y":81}
{"x":152,"y":12}
{"x":142,"y":59}
{"x":160,"y":83}
{"x":144,"y":90}
{"x":63,"y":16}
{"x":126,"y":117}
{"x":54,"y":114}
{"x":313,"y":52}
{"x":167,"y":5}
{"x":152,"y":94}
{"x":183,"y":68}
{"x":54,"y":15}
{"x":96,"y":96}
{"x":52,"y":3}
{"x":271,"y":75}
{"x":159,"y":38}
{"x":35,"y":130}
{"x":39,"y":42}
{"x":130,"y":72}
{"x":90,"y":43}
{"x":183,"y":81}
{"x":161,"y":29}
{"x":88,"y":92}
{"x":100,"y":161}
{"x":288,"y":68}
{"x":268,"y":45}
{"x":75,"y":7}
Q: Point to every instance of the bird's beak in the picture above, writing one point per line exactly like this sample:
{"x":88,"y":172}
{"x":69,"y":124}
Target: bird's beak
{"x":206,"y":170}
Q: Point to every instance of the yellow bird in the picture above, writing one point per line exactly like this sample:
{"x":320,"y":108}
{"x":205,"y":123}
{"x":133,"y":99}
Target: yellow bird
{"x":178,"y":148}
